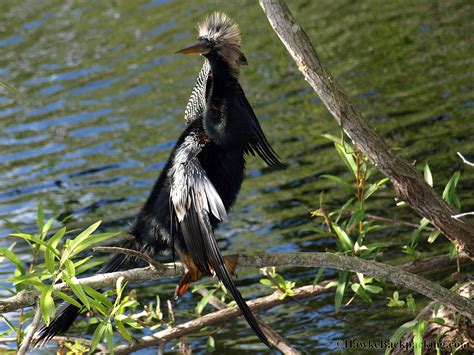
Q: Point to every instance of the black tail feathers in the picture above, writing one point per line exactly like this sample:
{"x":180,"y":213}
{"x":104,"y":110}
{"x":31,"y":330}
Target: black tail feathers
{"x":67,"y":313}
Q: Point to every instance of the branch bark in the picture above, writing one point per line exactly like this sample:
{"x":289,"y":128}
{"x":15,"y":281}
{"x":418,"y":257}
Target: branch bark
{"x":333,"y":261}
{"x":25,"y":344}
{"x":408,"y":183}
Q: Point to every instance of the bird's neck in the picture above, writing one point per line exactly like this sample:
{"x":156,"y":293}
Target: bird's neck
{"x":223,"y":77}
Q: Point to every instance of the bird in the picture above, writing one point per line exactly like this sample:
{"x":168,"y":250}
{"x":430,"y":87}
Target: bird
{"x":203,"y":174}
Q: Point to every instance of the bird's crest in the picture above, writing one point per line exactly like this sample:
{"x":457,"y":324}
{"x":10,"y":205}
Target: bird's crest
{"x":224,"y":33}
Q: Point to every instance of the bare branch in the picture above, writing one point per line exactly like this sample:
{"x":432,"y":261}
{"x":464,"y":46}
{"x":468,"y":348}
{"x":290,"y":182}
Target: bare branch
{"x":274,"y":338}
{"x":131,"y":252}
{"x":408,"y":183}
{"x":464,"y":160}
{"x":25,"y":344}
{"x":460,"y":215}
{"x":328,"y":260}
{"x":215,"y":318}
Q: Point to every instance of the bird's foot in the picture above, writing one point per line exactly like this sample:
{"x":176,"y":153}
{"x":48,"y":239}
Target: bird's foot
{"x":230,"y":262}
{"x":190,"y":275}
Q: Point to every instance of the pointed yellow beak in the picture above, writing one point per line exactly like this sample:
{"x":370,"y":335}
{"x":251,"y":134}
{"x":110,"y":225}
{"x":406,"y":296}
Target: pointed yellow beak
{"x":198,"y":48}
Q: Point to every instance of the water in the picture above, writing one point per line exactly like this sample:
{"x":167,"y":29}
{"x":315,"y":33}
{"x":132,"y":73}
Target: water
{"x":102,"y":98}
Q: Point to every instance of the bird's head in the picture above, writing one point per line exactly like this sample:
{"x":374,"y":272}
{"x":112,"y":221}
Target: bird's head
{"x":219,"y":36}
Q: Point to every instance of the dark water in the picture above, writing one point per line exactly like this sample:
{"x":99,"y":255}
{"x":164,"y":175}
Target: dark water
{"x":102,"y":98}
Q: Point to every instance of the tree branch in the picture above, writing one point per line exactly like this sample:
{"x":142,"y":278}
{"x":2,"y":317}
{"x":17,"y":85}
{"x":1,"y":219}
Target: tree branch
{"x":408,"y":183}
{"x":215,"y":318}
{"x":25,"y":344}
{"x":333,"y":261}
{"x":274,"y":338}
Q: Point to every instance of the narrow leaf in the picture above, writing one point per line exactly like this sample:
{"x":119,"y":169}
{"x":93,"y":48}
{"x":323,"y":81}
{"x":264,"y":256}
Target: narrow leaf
{"x":427,"y":175}
{"x":340,"y":290}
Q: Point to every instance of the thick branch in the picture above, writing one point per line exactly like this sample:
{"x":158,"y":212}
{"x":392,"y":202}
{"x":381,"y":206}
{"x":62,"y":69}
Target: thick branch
{"x":215,"y":318}
{"x":333,"y":261}
{"x":408,"y":183}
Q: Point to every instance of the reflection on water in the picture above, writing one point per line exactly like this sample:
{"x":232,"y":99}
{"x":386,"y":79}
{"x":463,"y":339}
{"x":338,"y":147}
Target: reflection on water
{"x":102,"y":98}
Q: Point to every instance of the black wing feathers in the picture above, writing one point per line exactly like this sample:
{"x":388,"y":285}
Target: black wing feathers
{"x":258,"y":143}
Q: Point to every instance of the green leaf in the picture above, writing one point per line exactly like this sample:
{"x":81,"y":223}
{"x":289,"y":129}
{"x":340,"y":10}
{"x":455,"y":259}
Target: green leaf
{"x":93,"y":239}
{"x":97,"y":336}
{"x":374,"y":187}
{"x":40,"y":217}
{"x":53,"y":243}
{"x":411,"y":304}
{"x":343,"y":208}
{"x":70,"y":269}
{"x":347,"y":158}
{"x":346,"y":242}
{"x":373,"y":288}
{"x":418,"y":331}
{"x":127,"y":320}
{"x":34,"y":239}
{"x":84,"y":267}
{"x":46,"y":228}
{"x":14,"y":259}
{"x":394,"y":301}
{"x":318,"y":275}
{"x":341,"y":182}
{"x":67,"y":298}
{"x":109,"y":335}
{"x":9,"y":324}
{"x":82,"y":261}
{"x":203,"y":302}
{"x":211,"y":345}
{"x":356,"y":218}
{"x":48,"y":309}
{"x":123,"y":331}
{"x":341,"y":289}
{"x":427,"y":175}
{"x":11,"y":225}
{"x":78,"y":290}
{"x":119,"y":287}
{"x":266,"y":282}
{"x":449,"y":194}
{"x":100,"y":297}
{"x":399,"y":333}
{"x":76,"y":242}
{"x":359,"y":291}
{"x":433,"y":236}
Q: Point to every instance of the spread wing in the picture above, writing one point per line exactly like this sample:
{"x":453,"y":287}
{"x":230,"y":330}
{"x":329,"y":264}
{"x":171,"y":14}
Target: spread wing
{"x":197,"y":101}
{"x":258,"y":143}
{"x":194,"y":200}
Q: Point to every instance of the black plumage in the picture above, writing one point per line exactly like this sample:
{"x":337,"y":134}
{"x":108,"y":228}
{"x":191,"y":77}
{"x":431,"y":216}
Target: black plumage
{"x":203,"y":174}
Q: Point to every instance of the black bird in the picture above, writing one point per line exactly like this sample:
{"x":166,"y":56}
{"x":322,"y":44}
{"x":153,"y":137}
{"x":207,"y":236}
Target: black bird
{"x":203,"y":175}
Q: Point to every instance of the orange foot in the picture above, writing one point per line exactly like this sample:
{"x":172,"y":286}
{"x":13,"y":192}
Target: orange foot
{"x":192,"y":273}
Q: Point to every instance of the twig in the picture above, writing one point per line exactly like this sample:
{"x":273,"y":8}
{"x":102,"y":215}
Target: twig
{"x":465,"y":161}
{"x":25,"y":344}
{"x":460,"y":215}
{"x":328,"y":260}
{"x":408,"y":183}
{"x":274,"y":338}
{"x":396,"y":222}
{"x":137,"y":254}
{"x":215,"y":318}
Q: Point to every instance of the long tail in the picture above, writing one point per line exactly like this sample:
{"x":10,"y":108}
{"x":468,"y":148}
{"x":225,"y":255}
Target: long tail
{"x":67,"y":313}
{"x":204,"y":250}
{"x":223,"y":274}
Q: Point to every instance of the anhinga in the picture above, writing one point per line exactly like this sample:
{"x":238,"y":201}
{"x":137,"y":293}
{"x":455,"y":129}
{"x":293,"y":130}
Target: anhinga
{"x":204,"y":172}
